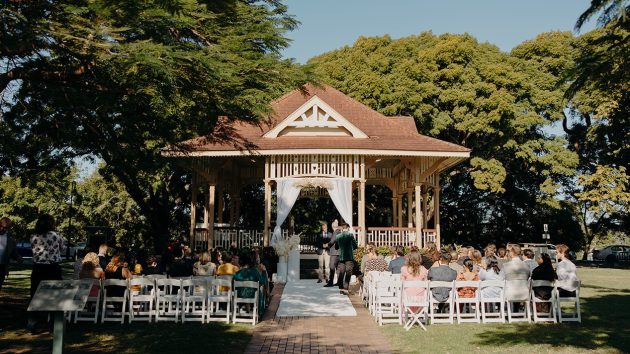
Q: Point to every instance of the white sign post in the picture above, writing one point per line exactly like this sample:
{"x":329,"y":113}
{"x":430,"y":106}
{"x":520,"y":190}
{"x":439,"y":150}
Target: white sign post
{"x":58,"y":296}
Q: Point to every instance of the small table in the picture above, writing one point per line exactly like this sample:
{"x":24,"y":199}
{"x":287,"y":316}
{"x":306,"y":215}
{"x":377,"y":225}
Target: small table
{"x":58,"y":296}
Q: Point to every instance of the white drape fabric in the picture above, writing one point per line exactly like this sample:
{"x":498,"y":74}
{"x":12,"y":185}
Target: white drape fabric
{"x":287,"y":193}
{"x":341,"y":195}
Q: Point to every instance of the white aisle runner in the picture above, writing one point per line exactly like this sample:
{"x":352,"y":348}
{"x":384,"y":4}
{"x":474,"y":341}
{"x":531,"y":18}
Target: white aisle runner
{"x":303,"y":298}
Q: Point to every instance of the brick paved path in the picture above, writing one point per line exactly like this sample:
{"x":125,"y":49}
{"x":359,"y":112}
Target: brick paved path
{"x":317,"y":334}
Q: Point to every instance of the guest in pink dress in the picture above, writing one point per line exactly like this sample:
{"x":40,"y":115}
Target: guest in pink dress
{"x":413,"y":270}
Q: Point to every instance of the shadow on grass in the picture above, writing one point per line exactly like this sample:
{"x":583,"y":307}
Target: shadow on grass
{"x":604,"y":325}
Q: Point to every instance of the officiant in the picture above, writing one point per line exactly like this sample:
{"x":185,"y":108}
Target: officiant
{"x":323,"y":257}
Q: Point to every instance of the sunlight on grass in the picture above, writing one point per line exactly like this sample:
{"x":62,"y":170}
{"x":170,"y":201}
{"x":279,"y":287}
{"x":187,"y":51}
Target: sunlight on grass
{"x":604,"y":329}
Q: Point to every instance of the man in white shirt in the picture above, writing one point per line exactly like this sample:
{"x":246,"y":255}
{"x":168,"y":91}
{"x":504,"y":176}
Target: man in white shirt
{"x":566,"y":271}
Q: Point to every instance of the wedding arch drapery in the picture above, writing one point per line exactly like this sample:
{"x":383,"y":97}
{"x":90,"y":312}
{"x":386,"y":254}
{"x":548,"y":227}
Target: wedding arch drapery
{"x":287,"y":192}
{"x":340,"y":192}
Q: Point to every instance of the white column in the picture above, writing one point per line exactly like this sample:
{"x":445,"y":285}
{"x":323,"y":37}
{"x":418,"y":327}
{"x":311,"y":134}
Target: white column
{"x":409,"y":208}
{"x":193,"y":207}
{"x":425,"y":197}
{"x":436,"y":214}
{"x":418,"y":218}
{"x":399,"y":213}
{"x":266,"y":231}
{"x":361,"y":220}
{"x":209,"y":215}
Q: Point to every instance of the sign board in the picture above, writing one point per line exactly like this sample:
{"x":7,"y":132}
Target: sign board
{"x":545,"y":228}
{"x":61,"y":295}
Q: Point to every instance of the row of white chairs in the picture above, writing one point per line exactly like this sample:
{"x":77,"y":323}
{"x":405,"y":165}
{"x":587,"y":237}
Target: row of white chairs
{"x":158,"y":298}
{"x":387,"y":299}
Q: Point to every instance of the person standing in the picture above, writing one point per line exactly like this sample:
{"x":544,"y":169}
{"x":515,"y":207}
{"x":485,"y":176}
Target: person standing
{"x":48,"y":246}
{"x":102,"y":255}
{"x":323,"y":257}
{"x":8,"y":249}
{"x":347,"y":244}
{"x":333,"y":252}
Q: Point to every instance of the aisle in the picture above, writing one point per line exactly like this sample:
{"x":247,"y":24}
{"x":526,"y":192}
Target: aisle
{"x":306,"y":298}
{"x":284,"y":335}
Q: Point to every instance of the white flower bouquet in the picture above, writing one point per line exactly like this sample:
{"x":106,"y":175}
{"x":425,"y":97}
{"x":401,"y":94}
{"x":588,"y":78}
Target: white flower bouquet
{"x":284,"y":246}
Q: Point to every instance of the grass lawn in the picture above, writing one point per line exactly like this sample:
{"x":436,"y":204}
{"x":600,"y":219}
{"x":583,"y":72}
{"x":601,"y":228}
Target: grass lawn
{"x":110,"y":337}
{"x":605,"y":326}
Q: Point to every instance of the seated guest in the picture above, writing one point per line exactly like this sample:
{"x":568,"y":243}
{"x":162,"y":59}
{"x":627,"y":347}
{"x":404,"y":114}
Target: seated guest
{"x":370,"y":251}
{"x":413,"y":270}
{"x":248,"y":272}
{"x":489,"y":251}
{"x":431,"y":256}
{"x":442,"y":272}
{"x":515,"y":269}
{"x":470,"y":275}
{"x":102,"y":255}
{"x":528,"y":258}
{"x":544,"y":271}
{"x":502,"y":256}
{"x":182,"y":266}
{"x":228,"y":267}
{"x":475,"y":257}
{"x":152,"y":266}
{"x":117,"y":269}
{"x":463,"y":255}
{"x":217,"y":257}
{"x":91,"y":269}
{"x":492,"y":272}
{"x":203,"y":266}
{"x":453,"y":264}
{"x":399,"y":260}
{"x":374,"y":263}
{"x":565,"y":270}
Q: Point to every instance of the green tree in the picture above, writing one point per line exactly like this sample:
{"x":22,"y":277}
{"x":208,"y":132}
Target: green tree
{"x":472,"y":94}
{"x":119,"y":80}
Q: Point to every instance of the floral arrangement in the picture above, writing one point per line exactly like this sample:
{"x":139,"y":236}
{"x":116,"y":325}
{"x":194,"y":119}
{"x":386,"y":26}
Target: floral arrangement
{"x":284,"y":246}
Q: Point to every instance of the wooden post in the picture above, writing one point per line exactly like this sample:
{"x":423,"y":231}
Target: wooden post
{"x":362,"y":230}
{"x":220,"y":207}
{"x":399,"y":213}
{"x":394,"y":210}
{"x":193,"y":207}
{"x":436,"y":212}
{"x":409,"y":208}
{"x":425,"y":197}
{"x":210,"y":212}
{"x":419,"y":221}
{"x":267,"y":213}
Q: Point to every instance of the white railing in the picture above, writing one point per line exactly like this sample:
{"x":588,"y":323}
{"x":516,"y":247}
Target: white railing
{"x":391,"y":236}
{"x":315,"y":165}
{"x":225,"y":236}
{"x":429,"y":235}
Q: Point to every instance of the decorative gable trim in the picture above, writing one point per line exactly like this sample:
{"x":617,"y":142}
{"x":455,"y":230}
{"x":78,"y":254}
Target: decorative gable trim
{"x":315,"y":118}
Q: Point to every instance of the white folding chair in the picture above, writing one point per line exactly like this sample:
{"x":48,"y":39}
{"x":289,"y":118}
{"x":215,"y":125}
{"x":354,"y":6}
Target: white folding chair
{"x":542,"y":316}
{"x":414,"y":307}
{"x":240,"y":314}
{"x":375,"y":278}
{"x":437,"y":317}
{"x":219,"y":300}
{"x":471,"y":304}
{"x":492,"y":301}
{"x":516,"y":293}
{"x":387,"y":300}
{"x":114,"y":307}
{"x":168,"y":293}
{"x":92,"y":306}
{"x":194,"y":298}
{"x":575,"y":315}
{"x":141,"y":299}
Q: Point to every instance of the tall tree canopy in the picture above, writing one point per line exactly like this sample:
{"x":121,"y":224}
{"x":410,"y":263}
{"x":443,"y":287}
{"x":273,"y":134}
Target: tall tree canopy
{"x":119,"y":80}
{"x":472,"y":94}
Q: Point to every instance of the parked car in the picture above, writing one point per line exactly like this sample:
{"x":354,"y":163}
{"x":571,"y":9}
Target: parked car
{"x":612,"y":253}
{"x":24,"y":249}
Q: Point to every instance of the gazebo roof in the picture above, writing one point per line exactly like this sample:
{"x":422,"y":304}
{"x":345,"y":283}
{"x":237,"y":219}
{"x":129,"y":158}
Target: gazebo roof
{"x":324,"y":120}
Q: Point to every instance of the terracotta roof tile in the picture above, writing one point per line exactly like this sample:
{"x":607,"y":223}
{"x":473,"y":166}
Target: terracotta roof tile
{"x":384,"y":133}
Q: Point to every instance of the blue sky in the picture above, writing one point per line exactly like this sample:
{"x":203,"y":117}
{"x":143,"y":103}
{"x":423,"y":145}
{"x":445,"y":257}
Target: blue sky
{"x":330,"y":24}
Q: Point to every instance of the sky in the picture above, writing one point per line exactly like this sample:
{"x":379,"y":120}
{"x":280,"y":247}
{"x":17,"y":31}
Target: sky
{"x":330,"y":24}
